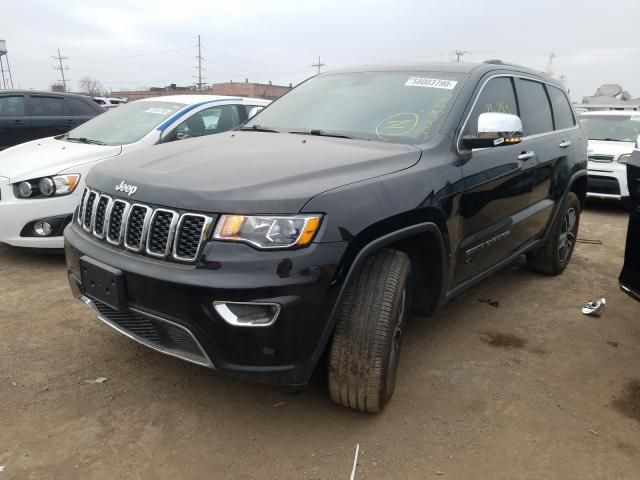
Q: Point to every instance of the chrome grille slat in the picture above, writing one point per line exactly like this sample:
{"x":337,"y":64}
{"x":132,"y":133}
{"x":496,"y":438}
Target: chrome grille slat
{"x":89,"y":210}
{"x":116,"y":221}
{"x":191,"y":231}
{"x":101,"y":212}
{"x":157,"y":232}
{"x":161,"y":232}
{"x":136,"y":227}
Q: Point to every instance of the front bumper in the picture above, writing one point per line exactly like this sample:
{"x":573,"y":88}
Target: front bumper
{"x":182,"y":296}
{"x":607,"y":180}
{"x":15,"y":213}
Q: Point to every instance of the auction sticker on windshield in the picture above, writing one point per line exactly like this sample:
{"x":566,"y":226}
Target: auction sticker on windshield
{"x":430,"y":83}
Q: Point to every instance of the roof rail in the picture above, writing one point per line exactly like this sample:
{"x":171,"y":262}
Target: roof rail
{"x":494,"y":61}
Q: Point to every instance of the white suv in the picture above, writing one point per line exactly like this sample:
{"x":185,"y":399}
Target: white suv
{"x":612,"y":136}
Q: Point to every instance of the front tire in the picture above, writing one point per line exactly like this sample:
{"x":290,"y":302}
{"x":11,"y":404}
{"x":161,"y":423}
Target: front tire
{"x":555,"y":253}
{"x":364,"y":354}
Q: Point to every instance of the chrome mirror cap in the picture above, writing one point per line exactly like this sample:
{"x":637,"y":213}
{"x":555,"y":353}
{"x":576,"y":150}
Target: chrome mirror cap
{"x":496,"y":125}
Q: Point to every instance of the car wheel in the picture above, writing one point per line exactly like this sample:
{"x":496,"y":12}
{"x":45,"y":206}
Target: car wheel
{"x":554,"y":255}
{"x":365,"y":350}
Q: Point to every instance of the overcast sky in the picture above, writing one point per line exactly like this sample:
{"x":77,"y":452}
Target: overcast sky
{"x":138,"y":43}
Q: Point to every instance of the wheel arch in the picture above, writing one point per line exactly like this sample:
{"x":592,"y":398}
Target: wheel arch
{"x":428,"y":234}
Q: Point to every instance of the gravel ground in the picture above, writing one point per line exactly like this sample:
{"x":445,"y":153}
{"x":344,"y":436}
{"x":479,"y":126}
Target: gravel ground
{"x":527,"y":390}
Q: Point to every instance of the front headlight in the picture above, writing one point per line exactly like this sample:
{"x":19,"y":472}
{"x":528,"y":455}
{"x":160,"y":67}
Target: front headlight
{"x":268,"y":231}
{"x":624,"y":158}
{"x":48,"y":186}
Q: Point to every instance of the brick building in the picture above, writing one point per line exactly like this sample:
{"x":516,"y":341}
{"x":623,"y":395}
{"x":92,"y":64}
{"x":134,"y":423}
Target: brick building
{"x":236,"y":89}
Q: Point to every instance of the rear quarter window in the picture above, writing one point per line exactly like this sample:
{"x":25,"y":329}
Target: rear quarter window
{"x":562,"y":112}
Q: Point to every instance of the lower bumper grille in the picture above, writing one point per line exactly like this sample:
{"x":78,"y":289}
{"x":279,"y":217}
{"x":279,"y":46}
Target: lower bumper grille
{"x":158,"y":333}
{"x":605,"y":185}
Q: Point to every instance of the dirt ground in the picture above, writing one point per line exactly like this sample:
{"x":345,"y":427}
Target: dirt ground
{"x":531,"y":389}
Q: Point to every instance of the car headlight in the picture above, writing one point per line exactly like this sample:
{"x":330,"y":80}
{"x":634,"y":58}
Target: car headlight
{"x":268,"y":231}
{"x":48,"y":186}
{"x":624,"y":158}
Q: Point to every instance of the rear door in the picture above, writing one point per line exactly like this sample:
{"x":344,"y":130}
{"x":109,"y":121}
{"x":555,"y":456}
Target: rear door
{"x":497,"y":187}
{"x":50,"y":115}
{"x":14,"y":122}
{"x":83,"y":110}
{"x":549,"y":128}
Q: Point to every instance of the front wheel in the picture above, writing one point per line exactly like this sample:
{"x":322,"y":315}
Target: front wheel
{"x":554,"y":254}
{"x":363,"y":360}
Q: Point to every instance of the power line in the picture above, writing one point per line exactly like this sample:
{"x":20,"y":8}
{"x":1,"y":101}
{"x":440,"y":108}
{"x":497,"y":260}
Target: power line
{"x":319,"y":64}
{"x":62,"y":68}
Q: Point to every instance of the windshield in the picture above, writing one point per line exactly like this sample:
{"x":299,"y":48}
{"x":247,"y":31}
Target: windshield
{"x":396,"y":107}
{"x":125,"y":124}
{"x":616,"y":128}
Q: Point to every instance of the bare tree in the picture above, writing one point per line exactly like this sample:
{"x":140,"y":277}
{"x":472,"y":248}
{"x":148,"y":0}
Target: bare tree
{"x":91,"y":86}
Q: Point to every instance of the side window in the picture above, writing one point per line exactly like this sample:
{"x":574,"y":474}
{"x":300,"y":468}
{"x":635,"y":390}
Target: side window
{"x":562,"y":112}
{"x":81,"y":108}
{"x":209,"y":121}
{"x":12,"y":106}
{"x":534,"y":104}
{"x":48,"y":106}
{"x":498,"y":95}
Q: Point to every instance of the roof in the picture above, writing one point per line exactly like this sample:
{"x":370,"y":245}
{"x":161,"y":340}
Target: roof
{"x":612,"y":113}
{"x":42,"y":92}
{"x":190,"y":99}
{"x":454,"y":67}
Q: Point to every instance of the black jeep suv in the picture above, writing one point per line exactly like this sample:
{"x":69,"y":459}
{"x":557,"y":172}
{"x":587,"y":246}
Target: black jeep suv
{"x":313,"y":231}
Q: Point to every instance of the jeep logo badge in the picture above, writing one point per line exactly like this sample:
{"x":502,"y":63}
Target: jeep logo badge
{"x":125,"y":188}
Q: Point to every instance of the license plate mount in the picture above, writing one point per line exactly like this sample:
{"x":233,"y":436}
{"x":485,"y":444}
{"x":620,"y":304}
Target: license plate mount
{"x":104,"y":283}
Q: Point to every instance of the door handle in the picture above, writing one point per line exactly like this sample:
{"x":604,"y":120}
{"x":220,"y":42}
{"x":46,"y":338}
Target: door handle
{"x":565,"y":144}
{"x":18,"y":122}
{"x":526,"y":155}
{"x":70,"y":120}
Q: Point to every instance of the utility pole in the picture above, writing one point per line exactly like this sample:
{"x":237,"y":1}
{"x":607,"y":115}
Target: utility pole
{"x":199,"y":57}
{"x":62,"y":68}
{"x":319,"y":64}
{"x":459,"y":54}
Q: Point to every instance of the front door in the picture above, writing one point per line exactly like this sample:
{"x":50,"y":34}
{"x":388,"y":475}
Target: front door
{"x":497,"y":187}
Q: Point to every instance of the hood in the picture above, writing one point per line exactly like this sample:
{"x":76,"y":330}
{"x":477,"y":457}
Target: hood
{"x":248,"y":172}
{"x":603,"y":147}
{"x":49,"y":156}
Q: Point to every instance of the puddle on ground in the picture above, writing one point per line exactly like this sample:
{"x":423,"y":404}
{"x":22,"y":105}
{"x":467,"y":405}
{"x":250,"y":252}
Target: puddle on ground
{"x":503,"y":340}
{"x":612,"y":343}
{"x":628,"y":402}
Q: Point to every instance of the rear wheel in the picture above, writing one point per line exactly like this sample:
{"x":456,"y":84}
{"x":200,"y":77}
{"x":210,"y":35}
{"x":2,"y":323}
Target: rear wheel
{"x":365,"y":350}
{"x":554,"y":255}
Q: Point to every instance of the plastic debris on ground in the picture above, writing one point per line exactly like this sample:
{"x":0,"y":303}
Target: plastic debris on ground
{"x":595,"y":307}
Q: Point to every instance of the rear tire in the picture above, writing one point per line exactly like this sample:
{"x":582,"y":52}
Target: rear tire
{"x":364,"y":354}
{"x":555,"y":253}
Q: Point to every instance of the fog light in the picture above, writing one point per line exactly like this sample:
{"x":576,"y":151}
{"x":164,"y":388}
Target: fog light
{"x":248,"y":314}
{"x":25,"y":189}
{"x":42,"y":229}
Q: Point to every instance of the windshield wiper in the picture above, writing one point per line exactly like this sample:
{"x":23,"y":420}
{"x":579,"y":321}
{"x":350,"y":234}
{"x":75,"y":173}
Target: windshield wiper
{"x":258,"y":128}
{"x":85,"y":140}
{"x":320,"y":133}
{"x":609,"y":139}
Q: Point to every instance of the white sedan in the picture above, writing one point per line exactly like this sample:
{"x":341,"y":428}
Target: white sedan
{"x":41,"y":181}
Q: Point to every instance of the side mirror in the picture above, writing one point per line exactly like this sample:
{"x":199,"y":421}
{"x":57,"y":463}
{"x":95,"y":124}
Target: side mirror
{"x":495,"y":130}
{"x":254,"y":111}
